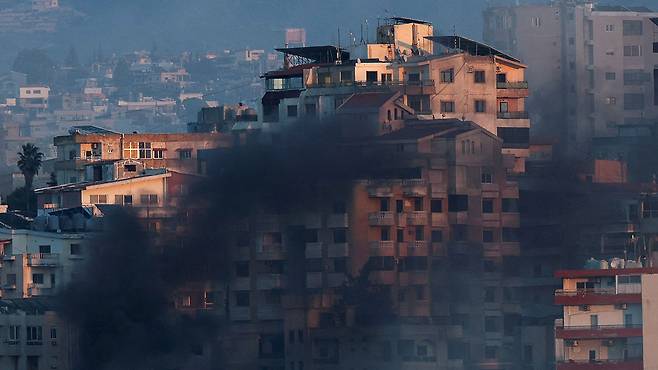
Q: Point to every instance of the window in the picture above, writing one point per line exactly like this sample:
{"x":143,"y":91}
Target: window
{"x":346,"y":76}
{"x":491,"y":324}
{"x":436,"y":205}
{"x":339,"y":208}
{"x":490,"y":294}
{"x":510,"y":205}
{"x":14,"y":333}
{"x":387,"y":77}
{"x":53,"y":333}
{"x":633,"y":101}
{"x":399,"y":206}
{"x":158,"y":153}
{"x":448,"y":75}
{"x":611,"y":100}
{"x":490,"y":352}
{"x":487,"y":205}
{"x":480,"y":106}
{"x":479,"y":77}
{"x":242,"y":299}
{"x":510,"y":234}
{"x":371,"y":76}
{"x":413,"y":77}
{"x":98,"y":199}
{"x":126,"y":200}
{"x":384,"y":204}
{"x":340,"y":264}
{"x":632,"y":50}
{"x":385,"y":234}
{"x":437,"y":236}
{"x":130,"y":168}
{"x":418,"y":204}
{"x":34,"y":333}
{"x":37,"y":278}
{"x":151,"y":199}
{"x":144,"y":150}
{"x":185,"y":154}
{"x":632,"y":28}
{"x":340,"y":236}
{"x":610,"y":76}
{"x":242,"y":269}
{"x":44,"y":249}
{"x":419,"y":233}
{"x":457,"y":203}
{"x":76,"y":249}
{"x":459,"y":233}
{"x":447,"y":106}
{"x":488,"y":236}
{"x":635,"y":77}
{"x":504,"y":107}
{"x":11,"y":279}
{"x":486,"y":175}
{"x":292,"y":111}
{"x":609,"y":28}
{"x":399,"y":237}
{"x":381,"y":263}
{"x":535,"y":22}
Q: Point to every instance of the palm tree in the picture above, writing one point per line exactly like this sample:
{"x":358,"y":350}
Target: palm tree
{"x":29,"y":162}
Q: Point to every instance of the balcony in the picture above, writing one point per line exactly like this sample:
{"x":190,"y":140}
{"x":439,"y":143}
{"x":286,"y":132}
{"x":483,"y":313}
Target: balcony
{"x":38,"y":290}
{"x":416,"y":248}
{"x":272,"y":252}
{"x":422,"y":87}
{"x":598,"y":296}
{"x":414,"y":188}
{"x":338,"y":250}
{"x":270,"y":281}
{"x":513,"y":115}
{"x":417,"y":218}
{"x":512,"y":89}
{"x":313,"y":280}
{"x":337,"y":220}
{"x":439,"y":219}
{"x":380,"y":190}
{"x":313,"y":250}
{"x":381,"y":219}
{"x":336,"y":279}
{"x":269,"y":312}
{"x":382,"y":248}
{"x":598,"y":332}
{"x":627,"y":364}
{"x":43,"y":259}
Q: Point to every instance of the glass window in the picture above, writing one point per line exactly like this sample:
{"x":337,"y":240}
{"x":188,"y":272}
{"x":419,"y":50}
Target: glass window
{"x":448,"y":75}
{"x":447,"y":106}
{"x":480,"y":106}
{"x":436,"y":205}
{"x":480,"y":77}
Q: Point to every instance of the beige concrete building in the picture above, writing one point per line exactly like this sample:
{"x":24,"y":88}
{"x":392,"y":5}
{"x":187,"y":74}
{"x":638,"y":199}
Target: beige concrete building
{"x":595,"y":64}
{"x":410,"y":238}
{"x":609,"y":318}
{"x":439,"y":77}
{"x":87,"y":146}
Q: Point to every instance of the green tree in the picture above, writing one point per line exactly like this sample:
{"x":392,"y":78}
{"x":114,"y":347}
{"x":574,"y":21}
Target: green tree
{"x":29,"y":162}
{"x":36,"y":64}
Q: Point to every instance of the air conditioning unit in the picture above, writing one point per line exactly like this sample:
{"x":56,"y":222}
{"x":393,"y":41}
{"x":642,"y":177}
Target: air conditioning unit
{"x":470,"y":69}
{"x":584,"y":307}
{"x":498,"y":69}
{"x":621,"y":306}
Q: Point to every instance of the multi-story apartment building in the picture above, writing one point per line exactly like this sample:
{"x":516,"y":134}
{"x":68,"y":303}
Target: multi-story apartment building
{"x":426,"y":243}
{"x":609,"y":320}
{"x":34,"y":97}
{"x":461,"y":79}
{"x":36,"y":263}
{"x":595,"y":64}
{"x":87,"y":146}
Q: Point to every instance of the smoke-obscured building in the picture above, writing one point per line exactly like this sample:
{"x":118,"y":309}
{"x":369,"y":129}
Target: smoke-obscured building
{"x":592,"y":67}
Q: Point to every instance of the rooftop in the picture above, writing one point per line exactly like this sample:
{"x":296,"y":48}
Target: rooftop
{"x":470,"y":46}
{"x":443,"y":128}
{"x":89,"y":184}
{"x":367,"y":100}
{"x":622,"y":8}
{"x":319,"y":54}
{"x":91,"y":130}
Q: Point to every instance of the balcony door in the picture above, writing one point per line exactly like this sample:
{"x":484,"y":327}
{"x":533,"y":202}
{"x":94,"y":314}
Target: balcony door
{"x":592,"y":355}
{"x":594,"y":320}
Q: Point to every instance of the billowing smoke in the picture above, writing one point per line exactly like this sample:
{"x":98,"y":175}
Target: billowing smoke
{"x":122,"y":304}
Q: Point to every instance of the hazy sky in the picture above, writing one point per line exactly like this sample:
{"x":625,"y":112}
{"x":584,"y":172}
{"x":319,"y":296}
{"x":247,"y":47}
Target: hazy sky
{"x":174,"y":25}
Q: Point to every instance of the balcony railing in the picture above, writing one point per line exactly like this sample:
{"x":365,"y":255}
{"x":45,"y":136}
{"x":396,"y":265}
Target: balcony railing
{"x":381,"y":218}
{"x":616,"y":364}
{"x":598,"y":331}
{"x":621,"y":289}
{"x":513,"y":115}
{"x":512,"y":85}
{"x":366,"y":84}
{"x":43,"y":259}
